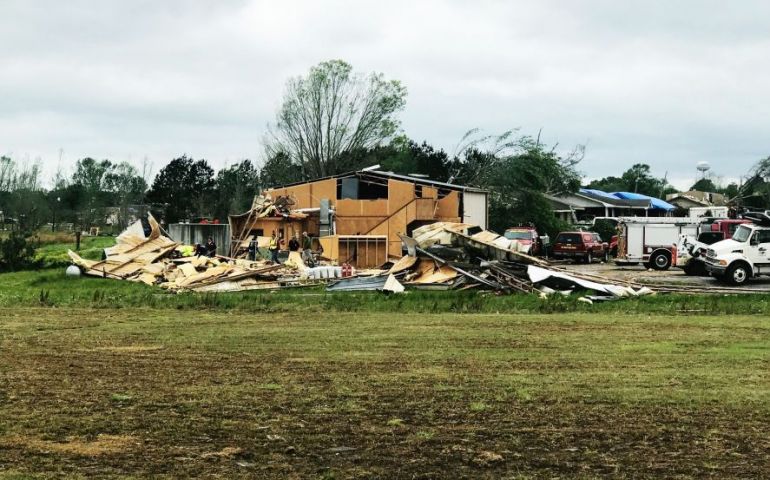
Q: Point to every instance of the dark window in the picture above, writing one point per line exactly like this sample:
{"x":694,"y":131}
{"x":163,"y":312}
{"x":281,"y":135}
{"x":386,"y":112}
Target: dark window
{"x":418,"y":191}
{"x":568,"y":238}
{"x":710,"y":237}
{"x":259,"y":232}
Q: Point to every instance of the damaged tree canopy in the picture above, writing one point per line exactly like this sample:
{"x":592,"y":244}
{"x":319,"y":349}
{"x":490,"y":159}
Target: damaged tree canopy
{"x":143,"y":254}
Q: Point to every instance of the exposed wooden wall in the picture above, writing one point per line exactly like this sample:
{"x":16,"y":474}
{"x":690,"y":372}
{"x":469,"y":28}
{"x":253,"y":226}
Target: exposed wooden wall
{"x":389,"y":217}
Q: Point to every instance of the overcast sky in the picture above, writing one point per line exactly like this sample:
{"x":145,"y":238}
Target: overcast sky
{"x":665,"y":83}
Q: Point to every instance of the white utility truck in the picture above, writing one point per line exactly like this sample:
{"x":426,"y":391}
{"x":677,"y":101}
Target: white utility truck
{"x":742,"y":257}
{"x":653,"y":240}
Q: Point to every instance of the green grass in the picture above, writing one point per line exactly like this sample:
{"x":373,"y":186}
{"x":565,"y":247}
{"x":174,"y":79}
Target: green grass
{"x":50,"y":287}
{"x":55,"y":254}
{"x":361,"y":394}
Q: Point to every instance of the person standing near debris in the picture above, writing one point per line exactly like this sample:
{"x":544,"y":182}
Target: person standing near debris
{"x":294,"y":244}
{"x":307,"y":249}
{"x":211,"y":248}
{"x":273,"y":247}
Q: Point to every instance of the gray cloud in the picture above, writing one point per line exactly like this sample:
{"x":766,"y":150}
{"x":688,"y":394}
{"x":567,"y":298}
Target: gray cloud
{"x":666,"y":83}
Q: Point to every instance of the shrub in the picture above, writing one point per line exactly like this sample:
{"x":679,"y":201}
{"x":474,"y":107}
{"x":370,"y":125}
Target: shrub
{"x":16,"y":252}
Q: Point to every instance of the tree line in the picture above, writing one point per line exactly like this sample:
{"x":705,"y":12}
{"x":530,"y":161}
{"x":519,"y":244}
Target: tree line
{"x":331,"y":121}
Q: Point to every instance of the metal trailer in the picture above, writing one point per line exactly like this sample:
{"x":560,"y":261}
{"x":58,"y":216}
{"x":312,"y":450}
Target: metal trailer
{"x":653,"y":243}
{"x":192,"y":233}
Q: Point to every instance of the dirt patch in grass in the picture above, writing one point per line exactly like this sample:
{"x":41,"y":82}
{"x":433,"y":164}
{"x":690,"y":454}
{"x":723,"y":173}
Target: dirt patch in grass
{"x":125,"y":348}
{"x":101,"y":445}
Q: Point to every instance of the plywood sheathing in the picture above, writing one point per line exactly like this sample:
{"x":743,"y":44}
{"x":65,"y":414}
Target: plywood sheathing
{"x":145,"y":259}
{"x":449,"y":207}
{"x":389,"y":216}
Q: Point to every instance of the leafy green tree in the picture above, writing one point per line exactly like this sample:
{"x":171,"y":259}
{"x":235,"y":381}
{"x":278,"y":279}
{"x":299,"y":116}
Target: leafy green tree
{"x":730,"y":191}
{"x":637,"y":179}
{"x":331,"y":111}
{"x":236,"y":187}
{"x":402,"y":155}
{"x":704,"y":185}
{"x":23,"y":204}
{"x":280,"y":169}
{"x":126,"y":187}
{"x":521,"y":183}
{"x":183,"y":189}
{"x":16,"y":252}
{"x":609,"y":184}
{"x":90,"y":177}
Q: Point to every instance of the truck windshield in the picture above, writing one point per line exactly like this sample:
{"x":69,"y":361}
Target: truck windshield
{"x":742,"y":234}
{"x":518,"y":235}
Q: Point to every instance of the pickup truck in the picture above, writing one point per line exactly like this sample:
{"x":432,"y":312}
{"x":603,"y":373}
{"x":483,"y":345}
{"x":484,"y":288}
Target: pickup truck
{"x":745,"y":256}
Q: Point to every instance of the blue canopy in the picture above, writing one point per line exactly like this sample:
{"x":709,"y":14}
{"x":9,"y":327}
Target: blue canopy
{"x":656,"y":202}
{"x":598,"y":193}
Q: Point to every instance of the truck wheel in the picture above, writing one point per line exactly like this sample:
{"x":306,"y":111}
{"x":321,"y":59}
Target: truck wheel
{"x":737,"y":274}
{"x":660,"y":261}
{"x":695,"y":268}
{"x":690,"y":269}
{"x":589,"y":258}
{"x":606,"y":256}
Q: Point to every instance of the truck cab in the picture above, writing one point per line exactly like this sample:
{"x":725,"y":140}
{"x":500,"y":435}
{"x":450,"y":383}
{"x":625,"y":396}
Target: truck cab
{"x":726,"y":227}
{"x":523,"y":239}
{"x":744,"y":256}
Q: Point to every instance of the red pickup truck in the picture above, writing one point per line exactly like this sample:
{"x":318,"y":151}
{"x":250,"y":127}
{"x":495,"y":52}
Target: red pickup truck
{"x":584,"y":246}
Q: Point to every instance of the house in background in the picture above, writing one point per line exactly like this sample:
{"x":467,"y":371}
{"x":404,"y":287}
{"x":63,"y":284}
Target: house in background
{"x":358,"y":216}
{"x":695,"y":198}
{"x":587,"y":204}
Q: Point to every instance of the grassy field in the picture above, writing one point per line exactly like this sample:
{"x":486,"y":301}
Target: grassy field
{"x":51,"y":288}
{"x":53,"y":249}
{"x":103,"y":378}
{"x":152,"y":392}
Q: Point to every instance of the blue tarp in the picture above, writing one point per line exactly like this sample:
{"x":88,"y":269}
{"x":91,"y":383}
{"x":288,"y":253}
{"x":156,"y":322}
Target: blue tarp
{"x":598,"y":193}
{"x":657,"y":204}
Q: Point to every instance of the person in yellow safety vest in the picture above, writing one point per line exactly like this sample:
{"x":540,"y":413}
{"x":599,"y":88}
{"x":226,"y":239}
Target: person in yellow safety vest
{"x":186,"y":250}
{"x":273,"y":247}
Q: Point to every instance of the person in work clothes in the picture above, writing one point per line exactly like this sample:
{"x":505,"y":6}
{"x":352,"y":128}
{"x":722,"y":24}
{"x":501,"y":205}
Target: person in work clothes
{"x":307,"y":249}
{"x":294,"y":244}
{"x":273,"y":247}
{"x":211,"y":248}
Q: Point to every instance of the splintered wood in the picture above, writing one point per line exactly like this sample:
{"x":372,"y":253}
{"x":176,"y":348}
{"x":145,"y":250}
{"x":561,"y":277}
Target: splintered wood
{"x":142,"y":254}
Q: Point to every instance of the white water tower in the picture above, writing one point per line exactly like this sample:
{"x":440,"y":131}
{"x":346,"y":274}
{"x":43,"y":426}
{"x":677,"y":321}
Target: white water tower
{"x":703,"y":167}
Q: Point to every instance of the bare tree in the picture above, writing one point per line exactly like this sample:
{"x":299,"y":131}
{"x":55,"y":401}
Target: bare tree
{"x":332,"y":111}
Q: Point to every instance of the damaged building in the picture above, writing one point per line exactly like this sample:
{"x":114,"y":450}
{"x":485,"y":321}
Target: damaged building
{"x":357,"y":217}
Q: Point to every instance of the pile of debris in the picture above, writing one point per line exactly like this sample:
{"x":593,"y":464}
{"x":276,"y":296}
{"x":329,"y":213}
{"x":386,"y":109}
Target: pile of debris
{"x":143,"y":254}
{"x":262,"y":207}
{"x":457,"y":256}
{"x":441,"y":256}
